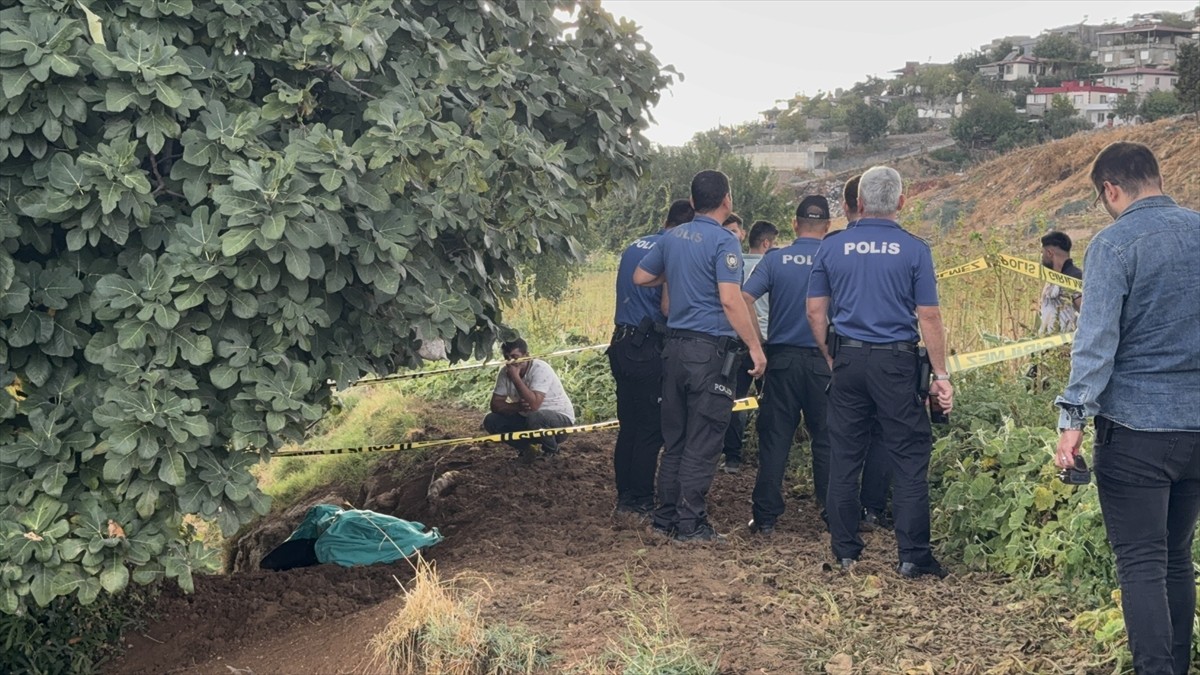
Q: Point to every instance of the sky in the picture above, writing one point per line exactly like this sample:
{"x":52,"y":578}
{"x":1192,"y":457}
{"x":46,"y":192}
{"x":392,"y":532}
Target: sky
{"x":738,"y":58}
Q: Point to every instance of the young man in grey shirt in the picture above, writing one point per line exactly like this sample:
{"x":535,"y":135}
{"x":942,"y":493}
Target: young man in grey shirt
{"x":528,"y":396}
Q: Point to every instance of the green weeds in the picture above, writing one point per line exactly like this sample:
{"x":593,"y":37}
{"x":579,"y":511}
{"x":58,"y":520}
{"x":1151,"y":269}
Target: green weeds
{"x":369,"y":415}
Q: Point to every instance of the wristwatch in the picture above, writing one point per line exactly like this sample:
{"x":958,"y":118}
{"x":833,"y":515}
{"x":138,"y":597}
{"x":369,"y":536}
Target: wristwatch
{"x":941,"y":378}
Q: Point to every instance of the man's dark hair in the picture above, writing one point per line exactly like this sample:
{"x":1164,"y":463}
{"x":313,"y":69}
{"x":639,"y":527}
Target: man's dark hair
{"x":1057,"y":240}
{"x":850,"y":195}
{"x":762,"y":230}
{"x":681,"y":212}
{"x":708,"y":190}
{"x":1129,"y":165}
{"x":733,"y":218}
{"x":518,"y":343}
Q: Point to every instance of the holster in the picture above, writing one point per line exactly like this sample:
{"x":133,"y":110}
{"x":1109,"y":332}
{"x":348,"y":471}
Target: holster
{"x":831,"y":341}
{"x":643,"y":331}
{"x":924,"y":372}
{"x":734,"y":350}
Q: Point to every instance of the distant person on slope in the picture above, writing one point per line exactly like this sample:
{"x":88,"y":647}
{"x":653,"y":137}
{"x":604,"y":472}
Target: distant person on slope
{"x":762,"y":239}
{"x":1135,"y":368}
{"x":1060,"y":307}
{"x":528,"y":396}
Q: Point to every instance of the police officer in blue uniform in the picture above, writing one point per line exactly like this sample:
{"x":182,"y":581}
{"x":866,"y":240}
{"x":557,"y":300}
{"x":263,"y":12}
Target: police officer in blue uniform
{"x":797,"y":374}
{"x":877,"y":469}
{"x":880,"y":282}
{"x":635,"y":358}
{"x":701,"y":264}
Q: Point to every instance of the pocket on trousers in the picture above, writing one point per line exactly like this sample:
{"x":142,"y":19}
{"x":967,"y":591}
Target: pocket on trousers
{"x":1121,"y":458}
{"x":694,"y":354}
{"x":716,"y":405}
{"x":900,"y":365}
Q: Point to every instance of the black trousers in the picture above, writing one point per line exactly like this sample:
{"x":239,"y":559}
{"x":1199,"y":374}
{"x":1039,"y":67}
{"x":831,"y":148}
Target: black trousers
{"x":696,"y":404}
{"x":497,"y":423}
{"x":1149,"y":487}
{"x":877,"y":474}
{"x":637,"y":371}
{"x":736,"y":433}
{"x":873,"y":384}
{"x":795,"y":383}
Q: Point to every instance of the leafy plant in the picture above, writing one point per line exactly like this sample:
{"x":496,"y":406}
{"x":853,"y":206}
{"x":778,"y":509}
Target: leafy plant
{"x":210,"y":210}
{"x":66,"y":637}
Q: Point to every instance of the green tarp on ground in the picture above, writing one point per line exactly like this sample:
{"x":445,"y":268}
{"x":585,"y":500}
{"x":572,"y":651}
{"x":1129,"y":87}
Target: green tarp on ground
{"x":357,"y":537}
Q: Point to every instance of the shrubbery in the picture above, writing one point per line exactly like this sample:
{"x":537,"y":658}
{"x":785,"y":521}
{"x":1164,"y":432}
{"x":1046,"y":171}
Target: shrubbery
{"x":999,"y":506}
{"x":209,"y":209}
{"x":67,"y":638}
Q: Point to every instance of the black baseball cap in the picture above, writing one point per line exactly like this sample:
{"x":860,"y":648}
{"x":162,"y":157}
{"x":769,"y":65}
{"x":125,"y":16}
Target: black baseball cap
{"x":813,"y":207}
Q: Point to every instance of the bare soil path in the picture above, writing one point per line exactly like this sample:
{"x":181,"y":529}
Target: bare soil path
{"x":539,"y":542}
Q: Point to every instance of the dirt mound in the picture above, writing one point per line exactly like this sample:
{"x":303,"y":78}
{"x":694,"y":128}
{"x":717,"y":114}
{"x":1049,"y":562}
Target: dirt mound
{"x":1048,"y":184}
{"x":539,"y":543}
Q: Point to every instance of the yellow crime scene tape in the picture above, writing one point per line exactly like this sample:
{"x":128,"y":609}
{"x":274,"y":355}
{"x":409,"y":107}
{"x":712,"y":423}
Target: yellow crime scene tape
{"x":738,"y":406}
{"x":957,"y":363}
{"x":470,"y":366}
{"x":974,"y":266}
{"x":1026,"y":267}
{"x":1038,"y":271}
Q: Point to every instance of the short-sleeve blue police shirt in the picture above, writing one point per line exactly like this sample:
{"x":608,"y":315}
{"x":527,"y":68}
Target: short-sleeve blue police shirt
{"x":784,"y":274}
{"x":634,"y":302}
{"x":695,"y":257}
{"x":876,"y":275}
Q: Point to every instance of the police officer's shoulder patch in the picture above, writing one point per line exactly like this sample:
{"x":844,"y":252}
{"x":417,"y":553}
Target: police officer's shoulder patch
{"x":731,"y":261}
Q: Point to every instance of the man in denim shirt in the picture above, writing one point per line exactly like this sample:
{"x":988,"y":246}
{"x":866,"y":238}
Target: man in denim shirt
{"x":1135,"y":367}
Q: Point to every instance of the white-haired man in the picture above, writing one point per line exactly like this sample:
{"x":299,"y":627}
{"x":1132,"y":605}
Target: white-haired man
{"x":880,"y":282}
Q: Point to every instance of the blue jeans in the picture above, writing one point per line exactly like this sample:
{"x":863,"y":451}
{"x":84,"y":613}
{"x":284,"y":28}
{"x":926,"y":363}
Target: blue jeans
{"x":1149,"y":486}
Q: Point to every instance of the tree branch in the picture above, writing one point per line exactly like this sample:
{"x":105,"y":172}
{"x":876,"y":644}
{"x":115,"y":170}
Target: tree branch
{"x":338,"y":76}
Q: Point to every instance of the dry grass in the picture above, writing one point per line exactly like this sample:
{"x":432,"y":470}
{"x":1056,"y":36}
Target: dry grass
{"x":584,"y":314}
{"x":440,"y":631}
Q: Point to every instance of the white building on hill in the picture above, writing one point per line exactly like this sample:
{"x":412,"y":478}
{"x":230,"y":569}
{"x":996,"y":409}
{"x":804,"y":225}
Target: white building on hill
{"x":1092,"y":102}
{"x":1141,"y":81}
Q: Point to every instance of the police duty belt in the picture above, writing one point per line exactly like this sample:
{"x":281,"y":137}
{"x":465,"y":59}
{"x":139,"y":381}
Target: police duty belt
{"x":532,"y":434}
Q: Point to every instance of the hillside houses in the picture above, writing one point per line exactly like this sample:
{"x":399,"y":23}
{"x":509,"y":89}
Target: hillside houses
{"x":1017,"y":66}
{"x":1141,"y":80}
{"x":1145,"y":46}
{"x":1092,"y":102}
{"x":1136,"y":58}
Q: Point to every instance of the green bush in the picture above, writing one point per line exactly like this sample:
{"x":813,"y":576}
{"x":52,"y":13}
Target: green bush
{"x":69,"y":638}
{"x":999,"y":506}
{"x":212,"y":208}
